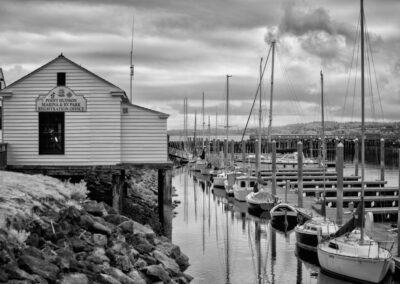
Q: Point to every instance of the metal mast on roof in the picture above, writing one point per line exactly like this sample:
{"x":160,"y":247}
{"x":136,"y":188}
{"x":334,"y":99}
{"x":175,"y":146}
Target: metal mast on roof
{"x":131,"y":66}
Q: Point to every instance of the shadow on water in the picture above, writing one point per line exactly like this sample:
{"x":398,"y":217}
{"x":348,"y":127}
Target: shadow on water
{"x":227,"y":244}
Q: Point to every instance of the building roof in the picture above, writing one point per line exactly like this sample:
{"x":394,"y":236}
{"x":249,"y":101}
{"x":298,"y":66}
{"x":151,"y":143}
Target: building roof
{"x":61,"y":56}
{"x":160,"y":114}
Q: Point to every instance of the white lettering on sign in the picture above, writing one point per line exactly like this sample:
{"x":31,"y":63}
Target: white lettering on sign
{"x":61,"y":99}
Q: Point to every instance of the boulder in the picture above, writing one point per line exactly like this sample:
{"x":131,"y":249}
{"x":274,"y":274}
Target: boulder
{"x":38,"y":266}
{"x":116,"y":219}
{"x":168,"y":263}
{"x":94,"y":208}
{"x":157,"y":272}
{"x":99,"y":240}
{"x":183,"y":261}
{"x":120,"y":276}
{"x":98,"y":256}
{"x":123,"y":263}
{"x":74,"y":278}
{"x":107,"y":279}
{"x":137,"y":277}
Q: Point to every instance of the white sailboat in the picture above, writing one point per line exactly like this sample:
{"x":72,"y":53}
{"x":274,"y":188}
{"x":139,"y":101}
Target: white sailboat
{"x":309,"y":232}
{"x":355,"y":255}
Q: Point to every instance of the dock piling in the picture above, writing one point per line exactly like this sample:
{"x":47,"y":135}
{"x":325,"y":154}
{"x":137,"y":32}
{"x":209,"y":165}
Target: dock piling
{"x":273,"y":164}
{"x":382,"y":159}
{"x":243,"y":152}
{"x":300,"y":174}
{"x":356,"y":151}
{"x":339,"y":189}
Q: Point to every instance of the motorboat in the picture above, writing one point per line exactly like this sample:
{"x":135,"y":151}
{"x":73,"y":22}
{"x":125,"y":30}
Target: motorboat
{"x":243,"y":186}
{"x":308,"y":234}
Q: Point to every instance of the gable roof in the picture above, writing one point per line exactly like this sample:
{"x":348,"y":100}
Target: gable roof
{"x":61,"y":56}
{"x":162,"y":115}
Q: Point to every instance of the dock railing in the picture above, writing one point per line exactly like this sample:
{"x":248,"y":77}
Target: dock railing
{"x":3,"y":156}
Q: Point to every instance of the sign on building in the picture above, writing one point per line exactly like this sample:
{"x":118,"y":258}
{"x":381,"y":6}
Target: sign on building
{"x":61,"y":99}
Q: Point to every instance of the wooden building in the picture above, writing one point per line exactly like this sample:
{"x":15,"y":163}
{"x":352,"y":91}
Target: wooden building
{"x":62,"y":114}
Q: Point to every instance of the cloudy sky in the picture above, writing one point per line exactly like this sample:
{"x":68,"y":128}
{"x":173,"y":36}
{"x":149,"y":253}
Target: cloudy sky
{"x":183,"y":48}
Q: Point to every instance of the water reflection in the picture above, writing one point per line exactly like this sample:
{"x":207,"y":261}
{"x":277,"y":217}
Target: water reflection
{"x":226,"y":244}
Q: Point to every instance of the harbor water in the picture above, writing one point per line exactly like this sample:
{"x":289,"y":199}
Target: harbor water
{"x":225,"y":244}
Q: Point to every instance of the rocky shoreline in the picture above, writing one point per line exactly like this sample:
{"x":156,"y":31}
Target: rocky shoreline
{"x":51,"y":239}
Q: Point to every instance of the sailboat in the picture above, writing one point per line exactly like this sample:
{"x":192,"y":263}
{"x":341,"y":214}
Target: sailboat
{"x":309,"y":232}
{"x":261,"y":200}
{"x":354,"y":255}
{"x":226,"y":177}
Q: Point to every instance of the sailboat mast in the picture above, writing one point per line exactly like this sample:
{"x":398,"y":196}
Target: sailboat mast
{"x":227,"y":106}
{"x":184,"y":124}
{"x":323,"y":143}
{"x":194,"y":136}
{"x":131,"y":66}
{"x":258,"y":162}
{"x":362,"y":121}
{"x":202,"y":138}
{"x":272,"y":92}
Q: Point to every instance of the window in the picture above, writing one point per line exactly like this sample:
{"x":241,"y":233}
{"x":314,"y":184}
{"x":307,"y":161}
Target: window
{"x":252,"y":183}
{"x":61,"y":79}
{"x":51,"y":133}
{"x":242,"y":184}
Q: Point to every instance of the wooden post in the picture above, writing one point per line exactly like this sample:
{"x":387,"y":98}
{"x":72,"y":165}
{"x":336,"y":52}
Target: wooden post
{"x":356,"y":151}
{"x":165,"y":201}
{"x":257,"y":154}
{"x":319,"y":145}
{"x":273,"y":161}
{"x":232,"y":151}
{"x":300,"y":174}
{"x":243,"y":152}
{"x":226,"y":151}
{"x":382,"y":159}
{"x":339,"y":190}
{"x":311,"y":149}
{"x":116,"y":192}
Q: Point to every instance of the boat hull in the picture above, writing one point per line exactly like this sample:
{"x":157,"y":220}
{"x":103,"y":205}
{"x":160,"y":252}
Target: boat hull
{"x":241,"y":193}
{"x":306,"y":240}
{"x":370,"y":270}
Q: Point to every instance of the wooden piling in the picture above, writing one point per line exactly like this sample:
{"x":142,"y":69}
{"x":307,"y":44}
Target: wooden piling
{"x":226,"y":151}
{"x":382,"y":145}
{"x":356,"y":151}
{"x":165,"y":201}
{"x":339,"y":189}
{"x":311,"y":148}
{"x":300,"y":174}
{"x":273,"y":161}
{"x":116,"y":192}
{"x":232,"y":150}
{"x":257,"y":154}
{"x":243,"y":152}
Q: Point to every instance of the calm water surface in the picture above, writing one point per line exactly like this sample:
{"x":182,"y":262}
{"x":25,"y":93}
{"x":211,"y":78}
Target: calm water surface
{"x":226,"y":244}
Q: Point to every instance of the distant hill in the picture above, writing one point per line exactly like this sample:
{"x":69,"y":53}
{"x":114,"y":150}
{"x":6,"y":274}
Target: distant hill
{"x":386,"y":129}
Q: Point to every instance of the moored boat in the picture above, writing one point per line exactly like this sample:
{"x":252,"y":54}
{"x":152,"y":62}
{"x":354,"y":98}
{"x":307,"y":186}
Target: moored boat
{"x":283,"y":217}
{"x":308,"y":234}
{"x":243,"y":186}
{"x":261,"y":201}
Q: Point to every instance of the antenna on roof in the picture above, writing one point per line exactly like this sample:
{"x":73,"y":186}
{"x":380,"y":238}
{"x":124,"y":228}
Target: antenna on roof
{"x":132,"y":67}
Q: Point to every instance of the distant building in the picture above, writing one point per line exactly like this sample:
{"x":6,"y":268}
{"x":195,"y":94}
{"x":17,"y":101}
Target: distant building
{"x":62,"y":114}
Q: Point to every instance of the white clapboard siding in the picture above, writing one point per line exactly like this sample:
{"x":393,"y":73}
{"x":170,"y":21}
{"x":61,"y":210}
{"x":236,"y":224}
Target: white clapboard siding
{"x":144,"y":136}
{"x":91,"y":138}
